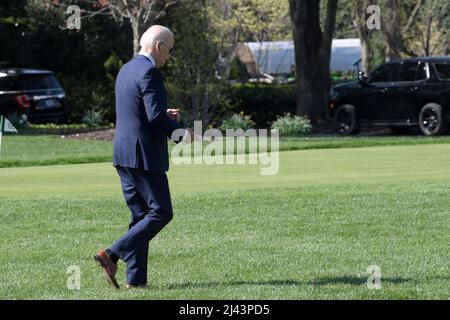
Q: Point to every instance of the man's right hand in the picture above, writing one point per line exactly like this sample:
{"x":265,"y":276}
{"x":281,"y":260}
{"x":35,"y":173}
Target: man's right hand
{"x":174,"y":114}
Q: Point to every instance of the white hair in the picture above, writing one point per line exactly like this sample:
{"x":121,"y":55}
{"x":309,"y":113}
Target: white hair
{"x":155,"y":33}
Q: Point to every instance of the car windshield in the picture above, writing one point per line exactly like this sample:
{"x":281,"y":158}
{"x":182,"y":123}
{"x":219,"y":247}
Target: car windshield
{"x":443,"y":70}
{"x":39,"y":82}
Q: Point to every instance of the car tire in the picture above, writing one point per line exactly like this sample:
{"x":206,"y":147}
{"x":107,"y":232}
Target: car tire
{"x":346,"y":121}
{"x":432,"y":119}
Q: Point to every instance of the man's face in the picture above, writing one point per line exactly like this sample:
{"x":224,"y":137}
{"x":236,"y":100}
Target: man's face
{"x":163,"y":49}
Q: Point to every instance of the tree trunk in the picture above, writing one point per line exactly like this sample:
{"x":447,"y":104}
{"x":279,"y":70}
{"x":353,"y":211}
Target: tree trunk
{"x":393,"y":31}
{"x":365,"y":54}
{"x":428,"y":34}
{"x":360,"y":18}
{"x":312,"y":56}
{"x":135,"y":26}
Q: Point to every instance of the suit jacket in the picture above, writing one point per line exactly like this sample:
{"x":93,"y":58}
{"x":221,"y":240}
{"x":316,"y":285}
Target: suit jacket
{"x":142,"y":122}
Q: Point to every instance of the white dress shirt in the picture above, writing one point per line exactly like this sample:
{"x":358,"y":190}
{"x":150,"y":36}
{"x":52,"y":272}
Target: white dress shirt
{"x":148,"y":55}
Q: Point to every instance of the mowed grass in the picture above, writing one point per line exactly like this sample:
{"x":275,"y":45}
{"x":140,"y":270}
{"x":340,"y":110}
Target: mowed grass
{"x":309,"y":232}
{"x":25,"y":151}
{"x":39,"y":150}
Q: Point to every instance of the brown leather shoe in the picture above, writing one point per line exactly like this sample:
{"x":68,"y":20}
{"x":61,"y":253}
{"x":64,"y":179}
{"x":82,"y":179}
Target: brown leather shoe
{"x":110,"y":268}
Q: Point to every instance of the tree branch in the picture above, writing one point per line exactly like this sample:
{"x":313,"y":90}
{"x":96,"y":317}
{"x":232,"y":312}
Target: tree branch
{"x":412,"y":17}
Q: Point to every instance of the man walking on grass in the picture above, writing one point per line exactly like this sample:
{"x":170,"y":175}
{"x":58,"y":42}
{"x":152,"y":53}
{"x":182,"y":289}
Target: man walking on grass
{"x":141,"y":156}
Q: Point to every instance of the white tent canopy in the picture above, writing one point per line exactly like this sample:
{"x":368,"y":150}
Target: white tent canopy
{"x":278,"y":57}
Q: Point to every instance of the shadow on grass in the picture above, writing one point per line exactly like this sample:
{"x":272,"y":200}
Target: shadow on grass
{"x":191,"y":285}
{"x":346,"y":280}
{"x":356,"y":281}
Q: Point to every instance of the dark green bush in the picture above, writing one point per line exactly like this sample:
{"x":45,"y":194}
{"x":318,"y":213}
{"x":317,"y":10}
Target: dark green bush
{"x":83,"y":96}
{"x":263,"y":102}
{"x":112,"y":66}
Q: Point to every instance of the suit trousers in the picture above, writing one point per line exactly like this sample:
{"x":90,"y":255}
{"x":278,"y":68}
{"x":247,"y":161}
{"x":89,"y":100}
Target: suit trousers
{"x":147,"y":195}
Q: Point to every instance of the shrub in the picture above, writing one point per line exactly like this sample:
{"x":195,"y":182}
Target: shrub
{"x":92,"y":118}
{"x":82,"y":96}
{"x":207,"y":102}
{"x":238,"y":70}
{"x":338,"y":77}
{"x":292,"y":125}
{"x":263,"y":102}
{"x":237,"y":121}
{"x":112,"y":66}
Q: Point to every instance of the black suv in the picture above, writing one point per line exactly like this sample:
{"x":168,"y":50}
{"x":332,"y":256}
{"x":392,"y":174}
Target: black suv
{"x":35,"y":93}
{"x":401,"y":95}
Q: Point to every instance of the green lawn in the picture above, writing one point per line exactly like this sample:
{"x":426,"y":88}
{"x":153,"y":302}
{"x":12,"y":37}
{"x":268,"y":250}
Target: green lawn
{"x":34,"y":150}
{"x":309,"y":232}
{"x":39,"y":150}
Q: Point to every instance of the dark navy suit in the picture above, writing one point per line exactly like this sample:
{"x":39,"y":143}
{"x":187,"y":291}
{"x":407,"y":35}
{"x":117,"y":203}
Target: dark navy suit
{"x":141,"y":160}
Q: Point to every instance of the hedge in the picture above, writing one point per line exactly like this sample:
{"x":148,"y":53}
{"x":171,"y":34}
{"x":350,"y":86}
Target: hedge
{"x":263,"y":102}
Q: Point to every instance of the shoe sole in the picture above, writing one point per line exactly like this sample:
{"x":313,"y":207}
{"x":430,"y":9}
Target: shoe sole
{"x":109,"y":277}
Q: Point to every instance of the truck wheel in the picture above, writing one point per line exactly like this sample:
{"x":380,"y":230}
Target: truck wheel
{"x":346,"y":121}
{"x":432,"y":119}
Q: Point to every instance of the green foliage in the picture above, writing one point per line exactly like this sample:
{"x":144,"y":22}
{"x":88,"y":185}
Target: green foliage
{"x":57,"y":126}
{"x":112,"y":66}
{"x":84,"y":96}
{"x":191,"y":78}
{"x":92,"y":118}
{"x":237,"y":121}
{"x":211,"y":113}
{"x":292,"y":125}
{"x":263,"y":102}
{"x":342,"y":75}
{"x":250,"y":20}
{"x":238,"y":71}
{"x":84,"y":60}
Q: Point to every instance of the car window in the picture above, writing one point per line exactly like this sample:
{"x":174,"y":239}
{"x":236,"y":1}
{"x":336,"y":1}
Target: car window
{"x":443,"y":70}
{"x":39,"y":82}
{"x":379,"y":75}
{"x":421,"y":73}
{"x":385,"y":73}
{"x":408,"y":71}
{"x":8,"y":83}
